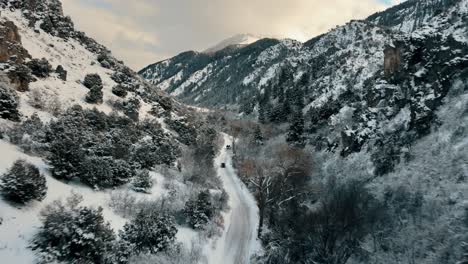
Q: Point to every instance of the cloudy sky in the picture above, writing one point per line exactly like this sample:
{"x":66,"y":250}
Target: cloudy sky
{"x":145,"y":31}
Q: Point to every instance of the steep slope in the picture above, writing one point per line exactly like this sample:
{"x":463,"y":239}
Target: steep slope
{"x":375,"y":70}
{"x":219,"y":78}
{"x":46,"y":33}
{"x":446,"y":16}
{"x":65,"y":100}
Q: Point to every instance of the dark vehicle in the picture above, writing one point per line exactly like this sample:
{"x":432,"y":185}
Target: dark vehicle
{"x":228,"y":147}
{"x":223,"y":165}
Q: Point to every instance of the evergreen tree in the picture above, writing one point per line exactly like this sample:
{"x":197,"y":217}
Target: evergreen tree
{"x":142,"y":182}
{"x":23,"y":183}
{"x":199,"y":211}
{"x":105,"y":172}
{"x":295,"y":135}
{"x":258,"y":136}
{"x":150,"y":232}
{"x":73,"y":234}
{"x":261,"y":114}
{"x":8,"y":103}
{"x":132,"y":108}
{"x":92,"y":80}
{"x":94,"y":95}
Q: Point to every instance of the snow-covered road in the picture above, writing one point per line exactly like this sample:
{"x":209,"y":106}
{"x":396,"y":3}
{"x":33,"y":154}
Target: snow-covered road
{"x":238,"y":241}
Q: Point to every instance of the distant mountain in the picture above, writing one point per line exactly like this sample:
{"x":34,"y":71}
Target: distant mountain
{"x":402,"y":61}
{"x":237,"y":40}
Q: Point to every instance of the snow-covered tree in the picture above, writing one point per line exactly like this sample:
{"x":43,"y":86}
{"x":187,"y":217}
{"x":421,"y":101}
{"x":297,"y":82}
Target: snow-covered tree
{"x":199,"y":210}
{"x":150,"y":232}
{"x":258,"y":138}
{"x":119,"y":90}
{"x":105,"y":172}
{"x":40,"y":67}
{"x":23,"y":183}
{"x":142,"y":182}
{"x":92,"y":80}
{"x":73,"y":234}
{"x":94,"y":95}
{"x":131,"y":108}
{"x":295,"y":135}
{"x":8,"y":103}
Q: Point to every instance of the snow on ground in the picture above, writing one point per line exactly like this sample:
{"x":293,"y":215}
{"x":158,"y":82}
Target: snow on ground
{"x":75,"y":59}
{"x":20,"y":223}
{"x":238,"y":241}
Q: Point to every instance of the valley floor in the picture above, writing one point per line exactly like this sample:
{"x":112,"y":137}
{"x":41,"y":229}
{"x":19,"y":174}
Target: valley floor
{"x":238,"y":240}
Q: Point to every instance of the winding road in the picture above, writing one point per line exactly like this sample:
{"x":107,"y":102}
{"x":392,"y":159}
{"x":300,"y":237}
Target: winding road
{"x":239,"y":238}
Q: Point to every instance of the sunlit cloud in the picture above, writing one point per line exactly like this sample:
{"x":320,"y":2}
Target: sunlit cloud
{"x":145,"y":31}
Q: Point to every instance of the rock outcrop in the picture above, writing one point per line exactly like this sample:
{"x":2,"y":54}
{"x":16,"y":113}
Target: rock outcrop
{"x":10,"y":44}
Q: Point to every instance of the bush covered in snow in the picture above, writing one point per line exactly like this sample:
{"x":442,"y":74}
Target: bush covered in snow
{"x":30,"y":135}
{"x":22,"y":183}
{"x":105,"y":172}
{"x":8,"y":103}
{"x":94,"y":95}
{"x":73,"y":234}
{"x":92,"y":80}
{"x":142,"y":182}
{"x":40,"y":68}
{"x":119,"y":90}
{"x":131,"y":107}
{"x":199,"y":210}
{"x":61,"y":72}
{"x":104,"y":150}
{"x":149,"y":232}
{"x":177,"y":254}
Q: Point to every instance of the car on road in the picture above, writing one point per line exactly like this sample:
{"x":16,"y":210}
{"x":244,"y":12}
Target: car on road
{"x":228,"y":146}
{"x":223,"y":165}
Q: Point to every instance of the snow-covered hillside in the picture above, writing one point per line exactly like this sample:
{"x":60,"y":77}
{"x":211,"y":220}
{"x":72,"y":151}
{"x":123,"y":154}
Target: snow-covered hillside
{"x":56,"y":86}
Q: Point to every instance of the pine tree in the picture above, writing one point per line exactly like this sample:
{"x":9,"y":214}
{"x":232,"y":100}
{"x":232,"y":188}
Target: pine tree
{"x":23,"y":183}
{"x":8,"y":103}
{"x":199,"y":211}
{"x":261,"y":113}
{"x":258,"y":136}
{"x":142,"y":182}
{"x":73,"y":234}
{"x":94,"y":95}
{"x":295,"y":135}
{"x":92,"y":80}
{"x":105,"y":172}
{"x":150,"y":232}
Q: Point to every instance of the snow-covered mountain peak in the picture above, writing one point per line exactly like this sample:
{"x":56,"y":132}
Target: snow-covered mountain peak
{"x":236,"y":40}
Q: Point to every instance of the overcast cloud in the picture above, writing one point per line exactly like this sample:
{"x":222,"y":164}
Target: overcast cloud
{"x":145,"y":31}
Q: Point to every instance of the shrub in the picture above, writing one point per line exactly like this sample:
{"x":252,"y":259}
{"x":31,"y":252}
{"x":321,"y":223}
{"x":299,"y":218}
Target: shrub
{"x":8,"y":103}
{"x":132,"y":108}
{"x":23,"y":183}
{"x":94,"y":95}
{"x":199,"y":211}
{"x":150,"y":232}
{"x":105,"y":172}
{"x":150,"y":152}
{"x":36,"y":99}
{"x":29,"y":135}
{"x":61,"y":72}
{"x":119,"y":90}
{"x":40,"y":68}
{"x":92,"y":80}
{"x":73,"y":234}
{"x":142,"y":182}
